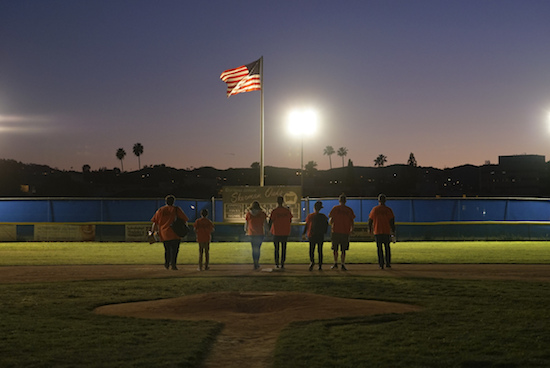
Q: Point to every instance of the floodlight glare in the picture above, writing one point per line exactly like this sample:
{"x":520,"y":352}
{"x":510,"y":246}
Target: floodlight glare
{"x":302,"y":122}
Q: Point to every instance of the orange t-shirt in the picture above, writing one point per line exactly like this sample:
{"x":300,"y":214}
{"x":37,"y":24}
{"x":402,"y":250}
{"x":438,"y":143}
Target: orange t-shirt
{"x":255,"y":222}
{"x":342,"y":219}
{"x":280,"y":218}
{"x":381,"y":216}
{"x":164,"y":217}
{"x":203,"y":229}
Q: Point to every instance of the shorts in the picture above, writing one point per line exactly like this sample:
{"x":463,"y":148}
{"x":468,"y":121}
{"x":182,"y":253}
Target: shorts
{"x":340,"y":241}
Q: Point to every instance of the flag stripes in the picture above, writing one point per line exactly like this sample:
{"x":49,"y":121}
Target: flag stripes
{"x":245,"y":78}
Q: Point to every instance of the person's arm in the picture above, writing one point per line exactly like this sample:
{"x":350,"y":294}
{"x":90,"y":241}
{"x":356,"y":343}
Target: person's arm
{"x":392,"y":225}
{"x":370,"y":226}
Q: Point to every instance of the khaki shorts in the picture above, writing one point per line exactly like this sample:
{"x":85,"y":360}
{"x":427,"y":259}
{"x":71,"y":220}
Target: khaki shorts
{"x":204,"y":246}
{"x":340,"y":241}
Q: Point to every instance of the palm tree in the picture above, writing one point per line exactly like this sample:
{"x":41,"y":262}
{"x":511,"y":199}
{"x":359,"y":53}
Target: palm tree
{"x":329,"y":151}
{"x":310,"y":168}
{"x":120,"y":154}
{"x":138,"y":151}
{"x":412,"y":160}
{"x":342,"y":152}
{"x":380,"y":160}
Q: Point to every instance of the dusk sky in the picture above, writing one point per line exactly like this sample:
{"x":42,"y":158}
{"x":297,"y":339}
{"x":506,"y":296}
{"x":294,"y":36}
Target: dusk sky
{"x":454,"y":82}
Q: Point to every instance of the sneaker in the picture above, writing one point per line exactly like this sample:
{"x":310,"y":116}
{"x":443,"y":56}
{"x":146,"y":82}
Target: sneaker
{"x":388,"y":266}
{"x":311,"y":266}
{"x":167,"y":266}
{"x":334,"y":266}
{"x":344,"y":268}
{"x":320,"y":268}
{"x":174,"y":268}
{"x":199,"y":269}
{"x":206,"y":268}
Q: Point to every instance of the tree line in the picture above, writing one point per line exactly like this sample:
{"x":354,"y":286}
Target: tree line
{"x":379,"y":161}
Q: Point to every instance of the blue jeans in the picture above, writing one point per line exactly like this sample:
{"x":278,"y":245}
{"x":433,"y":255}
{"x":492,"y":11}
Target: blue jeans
{"x":256,"y":241}
{"x":279,"y":241}
{"x":383,"y":244}
{"x":316,"y":241}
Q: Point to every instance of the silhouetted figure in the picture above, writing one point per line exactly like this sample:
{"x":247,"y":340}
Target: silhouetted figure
{"x":280,"y":219}
{"x":316,"y":228}
{"x":204,"y":228}
{"x":382,"y":225}
{"x":255,"y":226}
{"x":163,"y":218}
{"x":342,"y":222}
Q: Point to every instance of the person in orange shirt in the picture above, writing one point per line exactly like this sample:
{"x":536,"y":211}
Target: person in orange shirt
{"x":163,"y":218}
{"x":255,"y":227}
{"x":382,"y":225}
{"x":204,"y":228}
{"x":342,"y":222}
{"x":280,"y":219}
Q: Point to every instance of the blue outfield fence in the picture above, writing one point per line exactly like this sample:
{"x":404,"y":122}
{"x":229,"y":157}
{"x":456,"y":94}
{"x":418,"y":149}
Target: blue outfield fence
{"x":417,"y":218}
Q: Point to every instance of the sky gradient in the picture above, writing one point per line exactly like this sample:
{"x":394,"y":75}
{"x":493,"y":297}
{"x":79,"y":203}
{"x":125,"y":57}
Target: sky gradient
{"x":454,"y":82}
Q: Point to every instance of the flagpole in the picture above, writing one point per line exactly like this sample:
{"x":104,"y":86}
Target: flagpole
{"x":262,"y":123}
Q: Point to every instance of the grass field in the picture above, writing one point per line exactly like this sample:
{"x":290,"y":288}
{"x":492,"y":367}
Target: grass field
{"x":62,"y":253}
{"x":465,"y":323}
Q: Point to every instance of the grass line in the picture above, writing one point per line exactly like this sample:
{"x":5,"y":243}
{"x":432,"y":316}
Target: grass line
{"x":69,"y":253}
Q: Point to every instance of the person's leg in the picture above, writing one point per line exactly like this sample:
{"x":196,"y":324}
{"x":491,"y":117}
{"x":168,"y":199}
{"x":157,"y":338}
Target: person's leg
{"x":171,"y":252}
{"x":344,"y":245}
{"x":166,"y":255}
{"x":311,"y":254}
{"x":256,"y":244}
{"x":334,"y":250}
{"x":283,"y":251}
{"x":207,"y":256}
{"x":201,"y":251}
{"x":343,"y":259}
{"x":335,"y":254}
{"x":311,"y":251}
{"x":320,"y":253}
{"x":380,"y":251}
{"x":175,"y":254}
{"x":388,"y":253}
{"x":276,"y":244}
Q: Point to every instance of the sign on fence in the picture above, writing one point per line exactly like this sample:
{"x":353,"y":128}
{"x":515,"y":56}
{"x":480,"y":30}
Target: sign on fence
{"x":236,"y":200}
{"x":64,"y":232}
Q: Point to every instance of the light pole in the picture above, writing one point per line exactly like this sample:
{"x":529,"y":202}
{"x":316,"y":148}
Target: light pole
{"x":302,"y":122}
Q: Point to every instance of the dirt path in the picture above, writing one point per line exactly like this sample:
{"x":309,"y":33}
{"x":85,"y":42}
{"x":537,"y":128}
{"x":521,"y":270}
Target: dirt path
{"x":23,"y":274}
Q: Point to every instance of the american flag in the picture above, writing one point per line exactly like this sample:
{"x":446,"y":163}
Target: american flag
{"x":245,"y":78}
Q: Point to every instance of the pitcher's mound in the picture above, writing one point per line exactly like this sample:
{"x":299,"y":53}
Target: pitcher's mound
{"x":252,"y":320}
{"x":228,"y":306}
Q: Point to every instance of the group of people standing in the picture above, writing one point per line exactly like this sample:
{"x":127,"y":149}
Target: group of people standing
{"x":341,"y":220}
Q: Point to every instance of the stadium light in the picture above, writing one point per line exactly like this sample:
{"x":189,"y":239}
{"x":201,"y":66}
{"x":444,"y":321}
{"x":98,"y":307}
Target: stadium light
{"x":302,"y":123}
